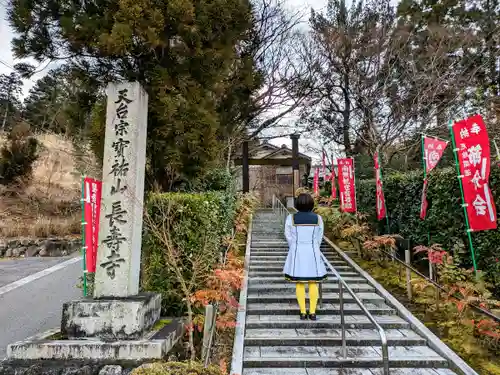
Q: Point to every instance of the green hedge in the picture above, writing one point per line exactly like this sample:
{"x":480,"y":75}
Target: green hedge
{"x":199,"y":221}
{"x":445,"y":217}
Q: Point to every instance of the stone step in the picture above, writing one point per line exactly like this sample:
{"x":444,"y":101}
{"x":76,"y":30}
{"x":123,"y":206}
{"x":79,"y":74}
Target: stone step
{"x":329,"y":337}
{"x":279,"y":279}
{"x":269,"y":244}
{"x":346,"y":371}
{"x":288,"y":287}
{"x":361,"y":357}
{"x":330,"y":254}
{"x":271,"y":239}
{"x":279,"y":242}
{"x":278,"y":266}
{"x":276,"y":261}
{"x":259,"y":248}
{"x":326,"y":321}
{"x":279,"y":273}
{"x":256,"y":257}
{"x":291,"y":308}
{"x":265,"y":297}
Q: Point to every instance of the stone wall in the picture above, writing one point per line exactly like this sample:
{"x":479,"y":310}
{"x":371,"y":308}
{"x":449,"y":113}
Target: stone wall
{"x":44,"y":247}
{"x":69,"y":368}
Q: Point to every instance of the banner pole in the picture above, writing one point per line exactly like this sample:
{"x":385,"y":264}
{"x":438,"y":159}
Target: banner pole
{"x":84,"y":255}
{"x":424,"y":165}
{"x":433,"y":136}
{"x":450,"y":125}
{"x":497,"y":150}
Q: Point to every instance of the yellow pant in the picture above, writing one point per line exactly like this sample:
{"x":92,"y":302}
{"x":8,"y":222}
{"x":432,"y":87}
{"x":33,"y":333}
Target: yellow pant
{"x":313,"y":297}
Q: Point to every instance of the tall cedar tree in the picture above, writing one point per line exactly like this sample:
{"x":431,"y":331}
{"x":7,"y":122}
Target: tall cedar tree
{"x":188,"y":54}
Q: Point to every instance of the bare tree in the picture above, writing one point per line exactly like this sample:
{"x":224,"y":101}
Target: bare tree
{"x":279,"y":52}
{"x":375,"y":88}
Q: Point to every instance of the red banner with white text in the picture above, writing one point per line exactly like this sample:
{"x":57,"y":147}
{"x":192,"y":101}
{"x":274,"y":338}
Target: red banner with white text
{"x":316,"y":182}
{"x":473,"y":150}
{"x":380,"y":200}
{"x":433,"y":149}
{"x":92,"y":208}
{"x":347,"y":185}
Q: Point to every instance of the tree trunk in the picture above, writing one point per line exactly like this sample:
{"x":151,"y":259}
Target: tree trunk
{"x":228,"y":162}
{"x":347,"y":116}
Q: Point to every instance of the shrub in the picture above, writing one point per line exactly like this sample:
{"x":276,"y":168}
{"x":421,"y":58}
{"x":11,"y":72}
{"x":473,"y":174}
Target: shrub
{"x":176,"y":368}
{"x":18,"y":154}
{"x":216,"y":179}
{"x":445,"y":221}
{"x":182,"y":243}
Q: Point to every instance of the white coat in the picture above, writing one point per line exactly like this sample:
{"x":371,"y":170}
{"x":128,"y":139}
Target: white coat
{"x":304,"y":234}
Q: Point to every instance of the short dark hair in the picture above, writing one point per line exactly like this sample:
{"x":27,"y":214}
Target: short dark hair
{"x":304,"y":202}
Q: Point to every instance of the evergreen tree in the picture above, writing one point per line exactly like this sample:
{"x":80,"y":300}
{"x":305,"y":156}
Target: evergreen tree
{"x":10,"y":106}
{"x":185,"y":53}
{"x":61,"y":102}
{"x":455,"y":42}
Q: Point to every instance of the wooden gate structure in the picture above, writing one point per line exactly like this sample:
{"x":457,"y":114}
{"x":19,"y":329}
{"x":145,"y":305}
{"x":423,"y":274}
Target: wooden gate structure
{"x":269,"y":170}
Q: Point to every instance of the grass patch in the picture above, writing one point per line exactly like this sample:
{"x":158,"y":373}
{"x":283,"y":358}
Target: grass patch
{"x":161,"y":323}
{"x":57,"y":336}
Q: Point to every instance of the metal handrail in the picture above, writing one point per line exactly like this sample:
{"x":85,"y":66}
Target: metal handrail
{"x":381,"y":332}
{"x":282,"y":210}
{"x":342,"y":284}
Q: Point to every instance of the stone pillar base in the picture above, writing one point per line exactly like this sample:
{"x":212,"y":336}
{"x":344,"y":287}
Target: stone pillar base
{"x":111,"y":319}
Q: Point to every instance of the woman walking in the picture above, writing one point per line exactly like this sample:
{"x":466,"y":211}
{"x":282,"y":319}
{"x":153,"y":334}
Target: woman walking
{"x":304,"y":234}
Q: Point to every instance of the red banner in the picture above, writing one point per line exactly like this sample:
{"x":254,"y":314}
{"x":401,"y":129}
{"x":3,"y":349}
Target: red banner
{"x":324,"y":167}
{"x":473,"y":150}
{"x":433,"y":149}
{"x":380,"y":201}
{"x":316,"y":182}
{"x":424,"y":204}
{"x":347,"y":187}
{"x":334,"y":188}
{"x":92,"y":208}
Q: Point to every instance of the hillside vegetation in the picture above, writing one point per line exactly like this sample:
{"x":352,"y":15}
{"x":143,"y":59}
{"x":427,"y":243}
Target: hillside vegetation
{"x":48,"y":203}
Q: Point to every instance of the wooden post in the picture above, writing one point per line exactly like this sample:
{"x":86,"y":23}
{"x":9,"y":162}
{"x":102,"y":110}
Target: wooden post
{"x":245,"y":167}
{"x":433,"y":277}
{"x":431,"y":274}
{"x":295,"y":162}
{"x":408,"y":273}
{"x":357,"y":243}
{"x":207,"y":328}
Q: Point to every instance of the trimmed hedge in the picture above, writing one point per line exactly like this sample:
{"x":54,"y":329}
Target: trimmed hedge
{"x":445,"y":218}
{"x":199,"y":221}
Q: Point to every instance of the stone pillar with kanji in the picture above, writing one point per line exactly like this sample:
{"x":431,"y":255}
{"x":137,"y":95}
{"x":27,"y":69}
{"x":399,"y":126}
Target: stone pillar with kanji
{"x":118,"y":311}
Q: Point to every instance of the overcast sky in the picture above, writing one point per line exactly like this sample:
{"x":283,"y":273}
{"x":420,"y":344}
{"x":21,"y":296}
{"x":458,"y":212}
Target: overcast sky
{"x":7,"y":60}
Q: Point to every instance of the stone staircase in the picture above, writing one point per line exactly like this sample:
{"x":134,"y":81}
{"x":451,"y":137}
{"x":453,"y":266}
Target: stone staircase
{"x":277,"y":342}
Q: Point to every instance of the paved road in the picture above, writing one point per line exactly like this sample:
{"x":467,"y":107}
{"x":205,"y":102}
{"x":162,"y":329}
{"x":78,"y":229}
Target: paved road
{"x":36,"y":306}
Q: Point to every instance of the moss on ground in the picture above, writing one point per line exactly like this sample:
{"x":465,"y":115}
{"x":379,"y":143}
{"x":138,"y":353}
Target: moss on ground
{"x":161,"y":323}
{"x":453,"y":332}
